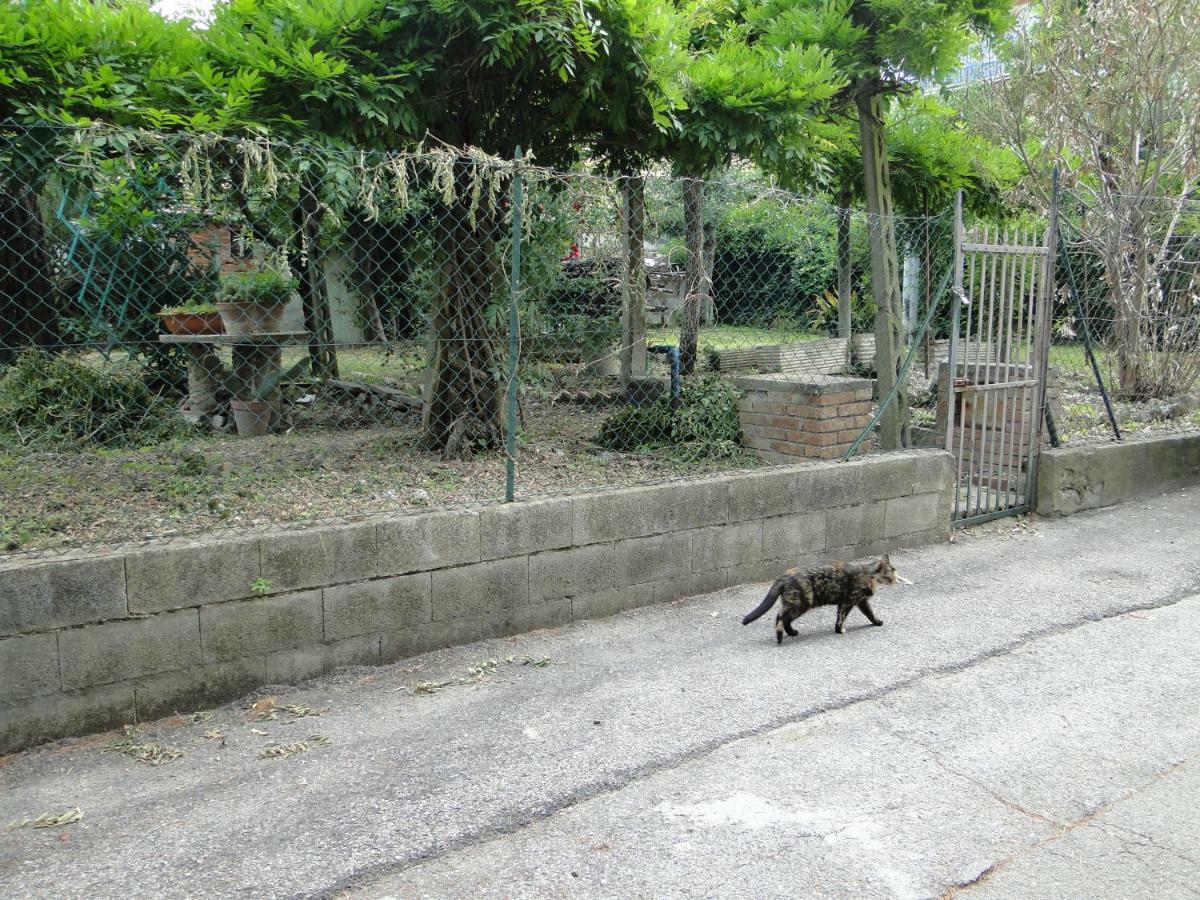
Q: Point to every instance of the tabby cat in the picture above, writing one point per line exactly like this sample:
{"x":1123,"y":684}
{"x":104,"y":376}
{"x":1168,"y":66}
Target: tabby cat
{"x":844,"y":585}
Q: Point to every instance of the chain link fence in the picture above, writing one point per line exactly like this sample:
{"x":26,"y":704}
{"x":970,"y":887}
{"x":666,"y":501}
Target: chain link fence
{"x":200,"y":332}
{"x":1126,"y":330}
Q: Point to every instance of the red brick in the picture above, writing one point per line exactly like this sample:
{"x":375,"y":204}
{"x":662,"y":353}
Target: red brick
{"x":856,"y":409}
{"x":764,"y":431}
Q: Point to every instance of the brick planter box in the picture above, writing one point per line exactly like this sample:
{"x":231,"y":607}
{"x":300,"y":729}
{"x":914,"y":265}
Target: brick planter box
{"x":788,"y":417}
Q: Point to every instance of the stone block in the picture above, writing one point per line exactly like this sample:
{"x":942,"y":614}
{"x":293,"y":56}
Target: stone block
{"x":191,"y":574}
{"x":428,"y":541}
{"x":934,"y":471}
{"x":654,"y":558}
{"x":502,"y":623}
{"x":794,"y":536}
{"x":851,"y":526}
{"x":612,"y":601}
{"x":757,"y":495}
{"x":196,"y":688}
{"x":857,"y":481}
{"x":568,"y":573}
{"x":313,"y":557}
{"x":726,"y":546}
{"x":516,"y":529}
{"x":906,"y":515}
{"x":290,"y":666}
{"x":371,"y":607}
{"x":657,"y":509}
{"x":29,"y":666}
{"x":254,"y":627}
{"x":116,"y":651}
{"x":480,"y":590}
{"x":44,"y":595}
{"x":54,"y":716}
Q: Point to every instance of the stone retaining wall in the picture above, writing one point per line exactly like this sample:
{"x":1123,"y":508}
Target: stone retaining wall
{"x":94,"y":640}
{"x":1072,"y":479}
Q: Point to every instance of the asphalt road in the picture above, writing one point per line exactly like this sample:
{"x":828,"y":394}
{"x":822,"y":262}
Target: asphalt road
{"x":1026,"y":724}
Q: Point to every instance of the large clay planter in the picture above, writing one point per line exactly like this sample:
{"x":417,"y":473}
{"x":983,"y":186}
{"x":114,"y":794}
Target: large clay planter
{"x":251,"y":318}
{"x":252,"y":417}
{"x":193,"y":323}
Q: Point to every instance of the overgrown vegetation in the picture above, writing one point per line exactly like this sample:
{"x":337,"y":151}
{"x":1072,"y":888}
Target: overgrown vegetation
{"x":706,"y":422}
{"x":62,"y":400}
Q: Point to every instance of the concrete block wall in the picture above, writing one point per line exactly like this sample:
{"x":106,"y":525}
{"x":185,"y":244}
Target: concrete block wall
{"x":96,"y":640}
{"x":1074,"y":479}
{"x":786,"y":417}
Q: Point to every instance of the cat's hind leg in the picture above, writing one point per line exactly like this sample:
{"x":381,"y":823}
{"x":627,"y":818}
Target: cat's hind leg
{"x":865,"y":606}
{"x":788,"y":618}
{"x":843,"y":611}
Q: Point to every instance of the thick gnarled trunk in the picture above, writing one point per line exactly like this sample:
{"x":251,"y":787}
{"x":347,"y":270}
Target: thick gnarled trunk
{"x":463,"y":412}
{"x":28,"y":307}
{"x":885,"y":268}
{"x":696,"y":284}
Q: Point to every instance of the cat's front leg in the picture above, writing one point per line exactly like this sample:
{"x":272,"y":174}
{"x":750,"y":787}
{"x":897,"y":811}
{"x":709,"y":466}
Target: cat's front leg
{"x":865,"y":606}
{"x":843,"y":611}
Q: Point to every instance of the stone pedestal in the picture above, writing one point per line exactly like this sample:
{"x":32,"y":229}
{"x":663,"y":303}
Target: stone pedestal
{"x":787,"y":417}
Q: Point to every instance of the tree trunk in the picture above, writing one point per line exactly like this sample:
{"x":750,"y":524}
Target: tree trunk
{"x":845,"y":321}
{"x":885,"y":274}
{"x":1128,"y":284}
{"x":633,"y":313}
{"x":314,"y":293}
{"x":464,"y":411}
{"x":28,"y":308}
{"x":693,"y":225}
{"x":708,"y":309}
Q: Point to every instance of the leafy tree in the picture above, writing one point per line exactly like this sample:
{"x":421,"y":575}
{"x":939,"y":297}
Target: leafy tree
{"x":883,"y":47}
{"x":544,"y":75}
{"x":753,"y":90}
{"x":1109,"y":92}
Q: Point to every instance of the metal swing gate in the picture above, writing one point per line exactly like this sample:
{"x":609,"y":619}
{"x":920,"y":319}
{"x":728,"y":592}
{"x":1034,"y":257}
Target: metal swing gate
{"x":998,"y":352}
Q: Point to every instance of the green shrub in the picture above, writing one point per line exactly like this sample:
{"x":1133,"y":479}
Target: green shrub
{"x":56,"y":400}
{"x":265,"y":286}
{"x":706,"y":422}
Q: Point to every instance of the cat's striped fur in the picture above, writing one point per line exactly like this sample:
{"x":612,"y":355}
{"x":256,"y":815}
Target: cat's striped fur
{"x":844,"y":585}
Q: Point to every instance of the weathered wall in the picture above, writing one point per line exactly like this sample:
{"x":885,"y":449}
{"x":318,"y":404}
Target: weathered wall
{"x":1072,"y":479}
{"x":98,"y":640}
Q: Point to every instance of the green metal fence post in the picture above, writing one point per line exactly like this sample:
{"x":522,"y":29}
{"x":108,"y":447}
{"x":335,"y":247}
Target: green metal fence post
{"x":514,"y":342}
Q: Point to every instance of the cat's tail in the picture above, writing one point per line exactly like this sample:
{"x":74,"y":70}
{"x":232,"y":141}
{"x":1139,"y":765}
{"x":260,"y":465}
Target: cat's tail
{"x":767,"y":602}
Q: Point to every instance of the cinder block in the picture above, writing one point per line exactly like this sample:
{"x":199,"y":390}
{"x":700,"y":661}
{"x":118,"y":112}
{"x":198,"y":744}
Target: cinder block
{"x":850,"y":526}
{"x":44,"y":595}
{"x":196,"y":688}
{"x":934,"y":471}
{"x":653,"y":558}
{"x":116,"y":651}
{"x":502,"y":623}
{"x":569,"y":573}
{"x":29,"y":667}
{"x":907,"y":515}
{"x":191,"y":574}
{"x":313,"y":557}
{"x":697,"y":583}
{"x":726,"y":546}
{"x":254,"y":627}
{"x":290,"y":666}
{"x":858,"y":481}
{"x":657,"y":509}
{"x":516,"y":529}
{"x":756,"y":495}
{"x":371,"y":607}
{"x":26,"y":724}
{"x":612,"y":601}
{"x":480,"y":590}
{"x":794,"y":536}
{"x":428,"y":541}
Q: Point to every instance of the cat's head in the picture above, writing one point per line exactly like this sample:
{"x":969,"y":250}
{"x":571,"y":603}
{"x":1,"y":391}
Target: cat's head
{"x":883,"y":572}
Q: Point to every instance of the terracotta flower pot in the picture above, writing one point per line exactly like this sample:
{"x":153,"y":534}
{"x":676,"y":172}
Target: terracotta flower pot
{"x":252,"y":417}
{"x":193,"y":323}
{"x":251,"y":318}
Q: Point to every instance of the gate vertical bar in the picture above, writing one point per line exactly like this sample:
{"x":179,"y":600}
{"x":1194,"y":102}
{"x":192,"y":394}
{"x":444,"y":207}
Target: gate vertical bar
{"x":514,"y":342}
{"x":952,"y":352}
